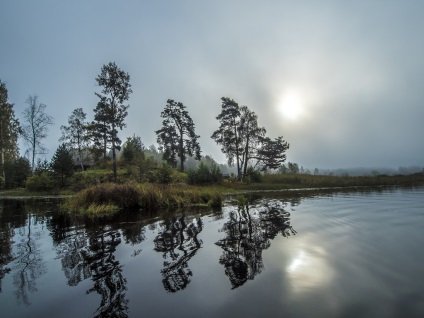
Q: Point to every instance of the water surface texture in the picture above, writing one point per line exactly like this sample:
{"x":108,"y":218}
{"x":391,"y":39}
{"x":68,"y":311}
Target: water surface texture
{"x":343,"y":255}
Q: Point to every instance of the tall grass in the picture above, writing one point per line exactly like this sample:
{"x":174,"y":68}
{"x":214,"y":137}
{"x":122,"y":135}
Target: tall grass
{"x":302,"y":181}
{"x":110,"y":197}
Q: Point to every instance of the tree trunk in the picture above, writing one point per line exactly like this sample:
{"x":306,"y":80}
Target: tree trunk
{"x":181,"y":153}
{"x":2,"y":165}
{"x":237,"y":153}
{"x":114,"y":156}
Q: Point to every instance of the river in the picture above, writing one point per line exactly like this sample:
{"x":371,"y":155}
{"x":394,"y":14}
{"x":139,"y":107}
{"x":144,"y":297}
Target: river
{"x":350,"y":254}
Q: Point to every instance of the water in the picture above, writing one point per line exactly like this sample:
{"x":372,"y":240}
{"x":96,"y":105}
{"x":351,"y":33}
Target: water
{"x":343,"y":255}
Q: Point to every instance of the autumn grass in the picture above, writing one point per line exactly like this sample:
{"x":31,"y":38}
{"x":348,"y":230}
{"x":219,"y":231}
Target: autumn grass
{"x":109,"y":198}
{"x":303,"y":181}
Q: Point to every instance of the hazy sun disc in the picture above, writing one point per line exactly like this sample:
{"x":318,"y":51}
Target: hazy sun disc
{"x":291,"y":106}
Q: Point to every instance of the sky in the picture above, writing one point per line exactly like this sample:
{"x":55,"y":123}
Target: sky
{"x":341,"y":81}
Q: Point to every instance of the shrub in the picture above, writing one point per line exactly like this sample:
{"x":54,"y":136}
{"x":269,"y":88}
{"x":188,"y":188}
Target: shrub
{"x":204,"y":175}
{"x":253,"y":175}
{"x":161,"y":175}
{"x":41,"y":182}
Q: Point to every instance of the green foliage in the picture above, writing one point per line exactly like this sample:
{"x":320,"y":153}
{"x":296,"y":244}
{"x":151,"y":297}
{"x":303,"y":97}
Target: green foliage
{"x":42,"y":182}
{"x":84,"y":179}
{"x":111,"y":196}
{"x":253,"y":175}
{"x":42,"y":166}
{"x":204,"y":175}
{"x":133,"y":150}
{"x":243,"y":141}
{"x":10,"y":130}
{"x":177,"y":136}
{"x":16,"y":172}
{"x":293,"y":167}
{"x":62,"y":164}
{"x":164,"y":174}
{"x":227,"y":135}
{"x":271,"y":153}
{"x":110,"y":112}
{"x":75,"y":135}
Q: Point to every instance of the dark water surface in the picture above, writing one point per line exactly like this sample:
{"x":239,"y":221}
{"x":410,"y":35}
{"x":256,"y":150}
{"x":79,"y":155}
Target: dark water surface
{"x":343,"y":255}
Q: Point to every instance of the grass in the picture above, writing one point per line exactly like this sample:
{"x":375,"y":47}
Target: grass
{"x":303,"y":181}
{"x":109,"y":197}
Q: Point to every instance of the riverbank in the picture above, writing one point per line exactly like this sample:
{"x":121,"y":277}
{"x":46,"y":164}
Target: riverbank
{"x":110,"y":198}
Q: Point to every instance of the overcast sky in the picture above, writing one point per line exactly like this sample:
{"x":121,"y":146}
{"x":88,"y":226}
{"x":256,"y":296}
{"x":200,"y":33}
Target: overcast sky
{"x":342,"y":81}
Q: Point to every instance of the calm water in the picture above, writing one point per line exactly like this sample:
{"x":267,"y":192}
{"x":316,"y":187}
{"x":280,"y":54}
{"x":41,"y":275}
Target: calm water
{"x":345,"y":255}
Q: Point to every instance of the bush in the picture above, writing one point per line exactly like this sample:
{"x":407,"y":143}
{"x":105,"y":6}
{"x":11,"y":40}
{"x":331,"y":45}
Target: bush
{"x":253,"y":175}
{"x":204,"y":175}
{"x":41,"y":182}
{"x":83,"y":179}
{"x":161,"y":175}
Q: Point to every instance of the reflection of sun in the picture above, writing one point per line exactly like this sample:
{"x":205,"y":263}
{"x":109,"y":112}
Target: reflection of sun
{"x":309,"y":270}
{"x":290,"y":105}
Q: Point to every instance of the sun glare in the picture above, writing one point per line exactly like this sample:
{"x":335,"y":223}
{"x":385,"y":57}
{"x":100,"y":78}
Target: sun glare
{"x":290,"y":105}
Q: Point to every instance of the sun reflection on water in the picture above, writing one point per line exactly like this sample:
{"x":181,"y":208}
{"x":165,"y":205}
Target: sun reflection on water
{"x":309,"y":269}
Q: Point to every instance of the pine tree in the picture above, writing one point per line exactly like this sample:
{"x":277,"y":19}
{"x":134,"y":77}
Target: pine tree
{"x":62,"y":163}
{"x":177,"y":135}
{"x":110,"y":112}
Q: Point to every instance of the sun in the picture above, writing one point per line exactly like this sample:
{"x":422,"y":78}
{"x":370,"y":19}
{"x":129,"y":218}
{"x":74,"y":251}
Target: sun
{"x":291,"y":105}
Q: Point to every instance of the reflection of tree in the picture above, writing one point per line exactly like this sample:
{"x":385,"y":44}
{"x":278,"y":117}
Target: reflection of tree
{"x":20,"y":236}
{"x":30,"y":265}
{"x":86,"y":249}
{"x":247,"y":234}
{"x":178,"y":242}
{"x":6,"y":256}
{"x":107,"y":273}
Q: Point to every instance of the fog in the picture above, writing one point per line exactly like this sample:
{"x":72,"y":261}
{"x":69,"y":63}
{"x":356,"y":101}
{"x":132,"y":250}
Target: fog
{"x":356,"y":69}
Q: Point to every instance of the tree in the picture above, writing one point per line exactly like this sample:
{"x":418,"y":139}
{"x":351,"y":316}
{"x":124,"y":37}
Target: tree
{"x":76,"y":133}
{"x":244,"y":142}
{"x":110,"y":111}
{"x":177,"y":136}
{"x":251,"y":136}
{"x":293,"y":167}
{"x":10,"y":130}
{"x":132,"y":149}
{"x":17,"y":171}
{"x":167,"y":138}
{"x":36,"y":126}
{"x":98,"y":131}
{"x":227,"y":135}
{"x":133,"y":154}
{"x":271,"y":154}
{"x":62,"y":163}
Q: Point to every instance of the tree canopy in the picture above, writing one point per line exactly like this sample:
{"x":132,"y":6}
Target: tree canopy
{"x":10,"y":130}
{"x":62,"y":163}
{"x":35,"y":126}
{"x":75,"y":135}
{"x":244,"y":142}
{"x":177,"y":136}
{"x":110,"y":112}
